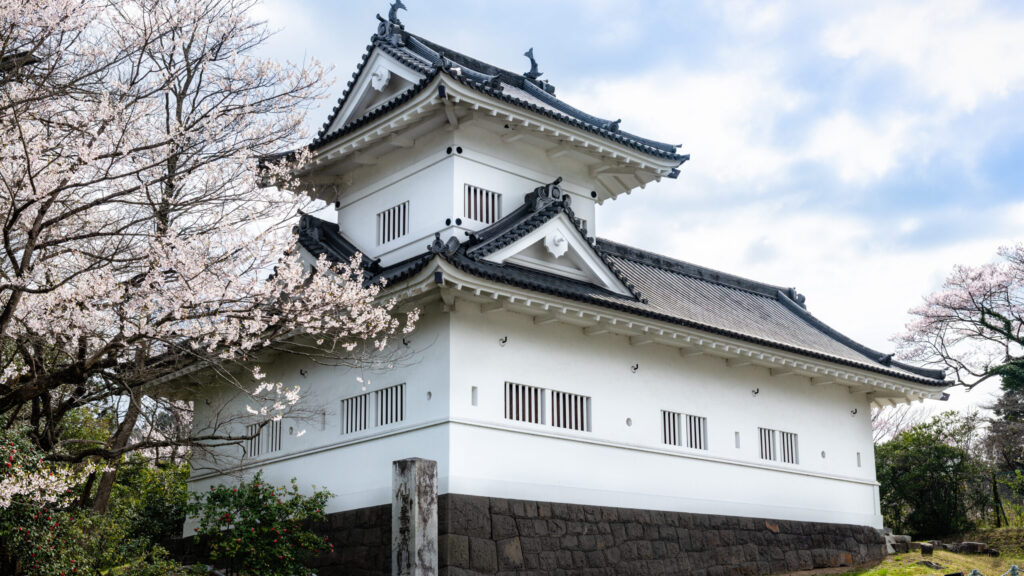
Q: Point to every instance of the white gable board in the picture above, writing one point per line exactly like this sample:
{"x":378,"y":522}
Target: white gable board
{"x":382,"y":78}
{"x":557,"y":247}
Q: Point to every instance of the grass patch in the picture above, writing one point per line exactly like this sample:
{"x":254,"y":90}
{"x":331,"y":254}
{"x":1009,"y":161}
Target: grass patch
{"x":907,"y":564}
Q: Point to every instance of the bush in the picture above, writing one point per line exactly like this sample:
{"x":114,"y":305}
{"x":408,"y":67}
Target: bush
{"x":930,"y":483}
{"x":259,"y":529}
{"x":149,"y":500}
{"x":46,"y":533}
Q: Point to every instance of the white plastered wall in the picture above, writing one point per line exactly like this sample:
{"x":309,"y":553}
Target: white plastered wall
{"x":627,"y":465}
{"x":479,"y":452}
{"x":355,"y":467}
{"x":432,"y":180}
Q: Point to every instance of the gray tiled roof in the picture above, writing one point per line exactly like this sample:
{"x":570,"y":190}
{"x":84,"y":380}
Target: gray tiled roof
{"x":430,"y":59}
{"x":664,"y":289}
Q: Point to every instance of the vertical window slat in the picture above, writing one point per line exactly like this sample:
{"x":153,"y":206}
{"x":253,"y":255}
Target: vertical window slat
{"x":392,"y":223}
{"x":481,"y":204}
{"x":777,"y":445}
{"x":684,"y":430}
{"x":358,"y":413}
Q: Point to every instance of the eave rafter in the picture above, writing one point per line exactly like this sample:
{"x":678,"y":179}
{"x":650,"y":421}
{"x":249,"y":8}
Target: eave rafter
{"x":619,"y":168}
{"x":596,"y":322}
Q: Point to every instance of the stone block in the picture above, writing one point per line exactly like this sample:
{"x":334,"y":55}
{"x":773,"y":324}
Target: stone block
{"x":564,"y":559}
{"x":560,"y":511}
{"x":454,"y":550}
{"x":531,"y":546}
{"x":503,"y":527}
{"x":556,"y":528}
{"x":470,"y":515}
{"x":483,"y":556}
{"x":544,"y":510}
{"x":510,"y":554}
{"x":595,"y":559}
{"x":972,"y":548}
{"x":500,"y":506}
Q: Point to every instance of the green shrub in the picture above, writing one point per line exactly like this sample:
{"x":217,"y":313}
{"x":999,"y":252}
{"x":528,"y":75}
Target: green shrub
{"x":930,"y":484}
{"x":59,"y":539}
{"x":261,"y":530}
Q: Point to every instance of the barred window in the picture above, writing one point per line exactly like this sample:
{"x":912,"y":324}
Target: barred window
{"x":779,"y":446}
{"x":354,"y":414}
{"x":373,"y":409}
{"x":390,"y":405}
{"x":768,"y":450}
{"x":481,"y":205}
{"x":671,"y":428}
{"x":684,"y":430}
{"x":265,"y":440}
{"x":524,"y":403}
{"x":571,"y":411}
{"x":392,"y":223}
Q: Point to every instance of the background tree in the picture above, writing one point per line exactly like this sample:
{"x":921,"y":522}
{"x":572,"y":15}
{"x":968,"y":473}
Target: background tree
{"x":974,"y":327}
{"x":135,"y":237}
{"x":932,"y":484}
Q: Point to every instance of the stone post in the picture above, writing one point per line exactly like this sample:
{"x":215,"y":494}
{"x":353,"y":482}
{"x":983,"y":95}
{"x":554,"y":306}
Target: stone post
{"x":414,"y":518}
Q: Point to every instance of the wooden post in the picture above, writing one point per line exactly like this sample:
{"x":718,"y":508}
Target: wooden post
{"x":414,"y":518}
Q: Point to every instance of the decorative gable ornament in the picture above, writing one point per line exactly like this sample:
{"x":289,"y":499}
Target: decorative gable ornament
{"x":380,"y":78}
{"x":556,"y":244}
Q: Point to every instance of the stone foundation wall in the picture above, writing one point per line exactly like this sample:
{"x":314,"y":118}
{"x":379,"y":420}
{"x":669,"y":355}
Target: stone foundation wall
{"x":514,"y":537}
{"x":362,"y":543}
{"x":495,"y":536}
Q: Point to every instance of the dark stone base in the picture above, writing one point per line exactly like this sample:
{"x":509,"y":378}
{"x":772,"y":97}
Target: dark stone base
{"x":362,"y":543}
{"x":480,"y":535}
{"x":495,"y":536}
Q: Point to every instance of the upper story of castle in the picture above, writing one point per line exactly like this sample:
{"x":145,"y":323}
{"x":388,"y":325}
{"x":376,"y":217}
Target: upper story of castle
{"x":427,"y":140}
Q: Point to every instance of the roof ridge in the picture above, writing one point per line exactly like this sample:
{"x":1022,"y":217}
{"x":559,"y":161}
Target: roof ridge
{"x":697,"y":271}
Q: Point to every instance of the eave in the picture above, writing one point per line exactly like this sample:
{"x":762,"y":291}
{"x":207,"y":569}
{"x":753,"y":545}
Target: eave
{"x":443,"y":101}
{"x":452,"y":285}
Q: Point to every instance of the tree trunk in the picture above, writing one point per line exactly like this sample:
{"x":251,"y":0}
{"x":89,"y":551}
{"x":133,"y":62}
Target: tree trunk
{"x":120,"y":440}
{"x":83,"y":500}
{"x":997,"y":502}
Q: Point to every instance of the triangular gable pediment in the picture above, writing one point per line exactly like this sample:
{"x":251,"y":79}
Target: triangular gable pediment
{"x":380,"y":79}
{"x":557,"y":247}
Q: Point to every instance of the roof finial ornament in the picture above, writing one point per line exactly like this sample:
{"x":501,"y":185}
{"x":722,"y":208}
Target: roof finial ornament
{"x":534,"y":72}
{"x":396,"y":5}
{"x":391,"y":29}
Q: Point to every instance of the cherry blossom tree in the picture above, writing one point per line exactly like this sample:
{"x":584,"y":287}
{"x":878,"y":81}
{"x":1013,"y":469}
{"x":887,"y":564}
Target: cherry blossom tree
{"x":136,"y":235}
{"x":974,"y":325}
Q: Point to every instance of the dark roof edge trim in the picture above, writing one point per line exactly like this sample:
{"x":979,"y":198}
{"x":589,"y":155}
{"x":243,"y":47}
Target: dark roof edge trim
{"x":466,"y":265}
{"x":884,"y":359}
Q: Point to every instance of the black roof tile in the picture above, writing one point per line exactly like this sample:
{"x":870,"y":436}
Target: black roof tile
{"x":429,"y":59}
{"x":664,"y":289}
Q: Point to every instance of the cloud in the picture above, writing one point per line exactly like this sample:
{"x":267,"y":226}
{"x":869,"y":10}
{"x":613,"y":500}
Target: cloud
{"x":750,"y":16}
{"x":962,"y":52}
{"x":727,"y":119}
{"x":859,"y":152}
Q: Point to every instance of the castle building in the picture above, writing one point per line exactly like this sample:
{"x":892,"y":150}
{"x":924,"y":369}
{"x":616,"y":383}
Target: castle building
{"x":551,"y":365}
